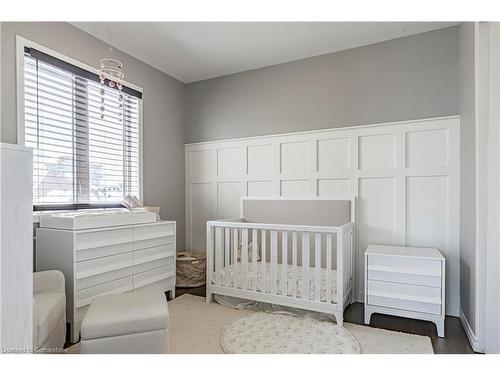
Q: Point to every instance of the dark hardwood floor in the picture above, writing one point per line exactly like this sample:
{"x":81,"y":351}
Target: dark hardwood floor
{"x":199,"y":291}
{"x":455,"y":341}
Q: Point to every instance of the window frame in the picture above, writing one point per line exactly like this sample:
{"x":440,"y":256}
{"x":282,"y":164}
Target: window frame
{"x":21,"y":43}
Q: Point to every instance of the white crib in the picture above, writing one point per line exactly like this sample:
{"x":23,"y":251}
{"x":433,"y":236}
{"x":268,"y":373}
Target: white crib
{"x":270,"y":255}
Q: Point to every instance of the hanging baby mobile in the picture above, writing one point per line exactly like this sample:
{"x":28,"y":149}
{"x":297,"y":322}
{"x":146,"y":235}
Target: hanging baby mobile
{"x":110,"y":71}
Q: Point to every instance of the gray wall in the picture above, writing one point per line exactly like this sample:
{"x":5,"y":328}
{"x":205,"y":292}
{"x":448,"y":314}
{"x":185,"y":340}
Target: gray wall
{"x":407,"y":78}
{"x":163,"y":108}
{"x":467,"y":175}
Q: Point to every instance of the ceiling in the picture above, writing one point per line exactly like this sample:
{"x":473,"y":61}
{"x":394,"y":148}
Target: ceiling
{"x":194,"y":51}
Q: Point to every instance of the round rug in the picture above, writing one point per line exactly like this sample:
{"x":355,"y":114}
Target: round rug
{"x":263,"y":333}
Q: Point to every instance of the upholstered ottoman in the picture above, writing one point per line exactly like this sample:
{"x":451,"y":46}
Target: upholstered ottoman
{"x":133,"y":322}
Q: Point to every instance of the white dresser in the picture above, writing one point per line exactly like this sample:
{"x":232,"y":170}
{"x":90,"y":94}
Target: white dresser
{"x":108,"y":260}
{"x":405,"y":281}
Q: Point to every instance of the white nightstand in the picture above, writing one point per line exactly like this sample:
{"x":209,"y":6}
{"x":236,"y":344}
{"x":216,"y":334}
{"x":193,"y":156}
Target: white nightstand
{"x":405,"y":281}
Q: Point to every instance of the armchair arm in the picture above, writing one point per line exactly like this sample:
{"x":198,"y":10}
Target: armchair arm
{"x":48,"y":281}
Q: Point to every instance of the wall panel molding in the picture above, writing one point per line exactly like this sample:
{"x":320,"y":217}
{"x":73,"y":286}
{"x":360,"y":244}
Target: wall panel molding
{"x":405,"y":176}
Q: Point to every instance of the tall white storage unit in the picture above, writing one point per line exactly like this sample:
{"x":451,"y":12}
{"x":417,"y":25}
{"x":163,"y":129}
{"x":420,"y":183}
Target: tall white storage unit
{"x":16,"y":255}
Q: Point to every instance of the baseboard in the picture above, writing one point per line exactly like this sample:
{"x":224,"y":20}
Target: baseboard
{"x":473,"y":340}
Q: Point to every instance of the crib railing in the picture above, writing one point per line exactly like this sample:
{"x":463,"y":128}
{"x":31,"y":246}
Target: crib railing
{"x":292,"y":261}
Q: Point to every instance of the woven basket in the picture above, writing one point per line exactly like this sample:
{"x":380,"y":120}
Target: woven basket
{"x":191,"y":269}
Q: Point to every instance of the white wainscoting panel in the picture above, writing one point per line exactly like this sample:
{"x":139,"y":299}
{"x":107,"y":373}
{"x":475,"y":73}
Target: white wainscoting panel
{"x":230,"y":161}
{"x":200,"y":212}
{"x":405,"y":176}
{"x":258,"y":160}
{"x":202,"y":164}
{"x":294,"y":188}
{"x":377,"y":151}
{"x":333,"y":155}
{"x":416,"y":141}
{"x":228,"y":198}
{"x":295,"y":157}
{"x":260,"y":188}
{"x":334,"y":187}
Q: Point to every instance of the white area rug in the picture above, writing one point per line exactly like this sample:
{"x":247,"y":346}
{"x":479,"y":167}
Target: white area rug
{"x":264,"y":333}
{"x":196,"y":327}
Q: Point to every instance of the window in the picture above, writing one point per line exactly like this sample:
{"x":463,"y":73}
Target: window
{"x":80,"y":159}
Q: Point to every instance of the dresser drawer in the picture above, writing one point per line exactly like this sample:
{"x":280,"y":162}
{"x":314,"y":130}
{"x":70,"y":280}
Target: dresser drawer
{"x":89,"y":240}
{"x":154,"y":253}
{"x":99,"y":252}
{"x":405,"y":305}
{"x":404,"y":291}
{"x":153,"y":242}
{"x":152,"y":276}
{"x":153,"y":231}
{"x":404,"y":278}
{"x":97,"y":266}
{"x":85,"y":296}
{"x":151,"y":265}
{"x":101,"y":278}
{"x":416,"y":266}
{"x":81,"y":312}
{"x":163,"y":285}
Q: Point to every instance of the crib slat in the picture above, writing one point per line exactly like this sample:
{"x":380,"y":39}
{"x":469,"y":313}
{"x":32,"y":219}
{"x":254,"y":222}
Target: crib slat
{"x":351,"y":259}
{"x":329,"y":268}
{"x":340,"y":269}
{"x":294,"y":264}
{"x":317,"y":267}
{"x":305,"y":265}
{"x":244,"y":258}
{"x":263,"y":261}
{"x":235,"y":257}
{"x":218,"y":255}
{"x":255,"y":242}
{"x":227,"y":250}
{"x":284,"y":263}
{"x":347,"y":256}
{"x":274,"y":261}
{"x":210,"y":260}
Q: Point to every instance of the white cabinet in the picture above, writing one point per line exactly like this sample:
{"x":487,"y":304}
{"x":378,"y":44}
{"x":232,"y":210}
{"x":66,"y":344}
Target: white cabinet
{"x":405,"y":281}
{"x":16,"y":254}
{"x":108,"y":260}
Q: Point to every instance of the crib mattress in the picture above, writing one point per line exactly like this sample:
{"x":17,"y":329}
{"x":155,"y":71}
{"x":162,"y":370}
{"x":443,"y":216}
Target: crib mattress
{"x":264,"y":282}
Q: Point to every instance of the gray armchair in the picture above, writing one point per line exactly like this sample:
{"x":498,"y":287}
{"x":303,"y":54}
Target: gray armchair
{"x":49,"y":311}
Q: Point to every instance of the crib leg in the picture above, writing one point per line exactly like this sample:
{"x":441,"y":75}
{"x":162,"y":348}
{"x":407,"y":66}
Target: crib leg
{"x":339,"y":318}
{"x":209,"y":297}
